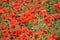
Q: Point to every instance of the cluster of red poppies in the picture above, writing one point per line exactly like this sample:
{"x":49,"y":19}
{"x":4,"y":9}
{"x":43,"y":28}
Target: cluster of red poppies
{"x":15,"y":16}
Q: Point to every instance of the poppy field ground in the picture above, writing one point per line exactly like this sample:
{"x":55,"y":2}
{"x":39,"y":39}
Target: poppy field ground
{"x":29,"y":19}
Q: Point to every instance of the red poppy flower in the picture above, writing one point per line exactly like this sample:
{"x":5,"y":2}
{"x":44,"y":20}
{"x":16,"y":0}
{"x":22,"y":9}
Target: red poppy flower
{"x":56,"y":16}
{"x":5,"y":33}
{"x":4,"y":16}
{"x":3,"y":26}
{"x":58,"y":5}
{"x":56,"y":8}
{"x":1,"y":11}
{"x":49,"y":25}
{"x":4,"y":0}
{"x":35,"y":23}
